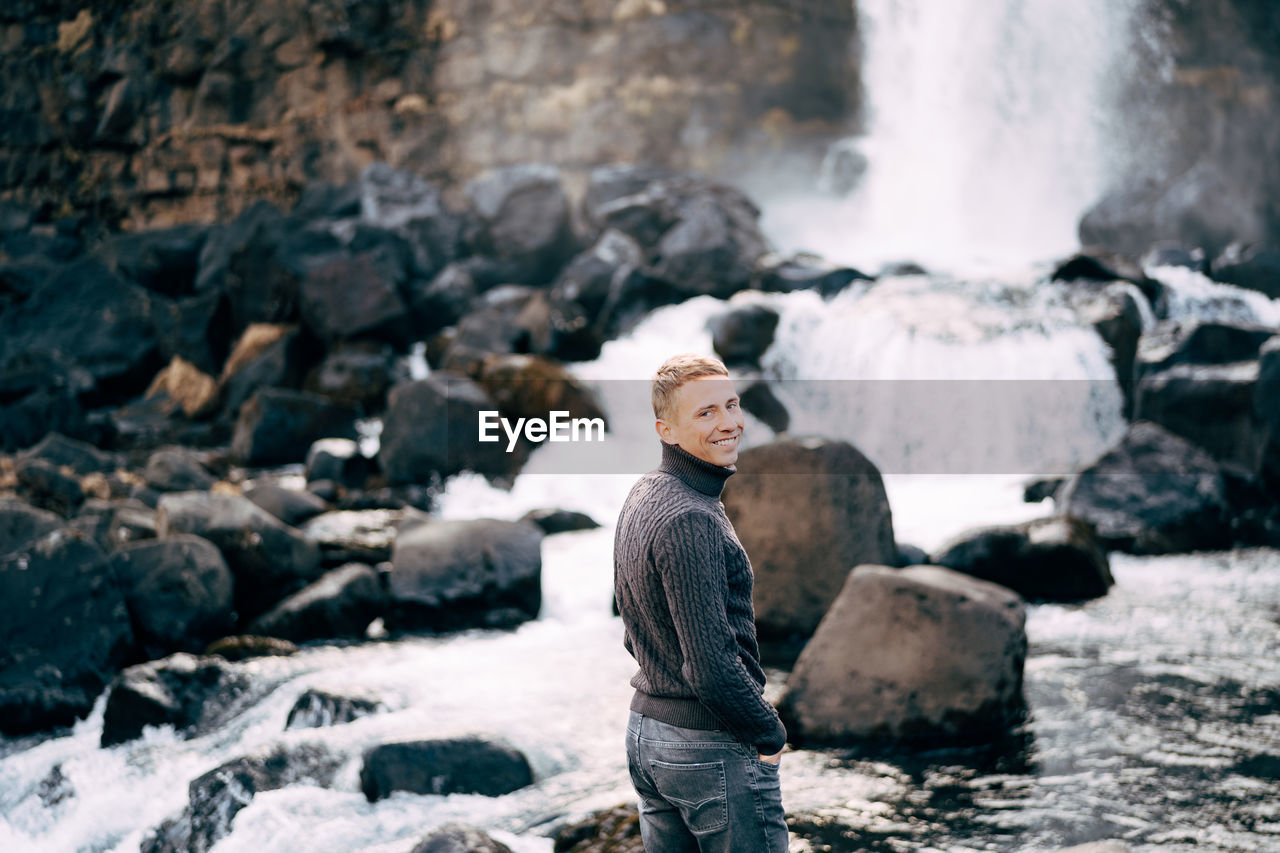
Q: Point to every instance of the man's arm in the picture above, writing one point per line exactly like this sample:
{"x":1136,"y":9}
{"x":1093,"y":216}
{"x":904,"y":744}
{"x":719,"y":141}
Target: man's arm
{"x":690,"y":558}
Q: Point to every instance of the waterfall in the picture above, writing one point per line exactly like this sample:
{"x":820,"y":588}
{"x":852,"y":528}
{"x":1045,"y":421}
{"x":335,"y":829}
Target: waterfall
{"x":986,"y":135}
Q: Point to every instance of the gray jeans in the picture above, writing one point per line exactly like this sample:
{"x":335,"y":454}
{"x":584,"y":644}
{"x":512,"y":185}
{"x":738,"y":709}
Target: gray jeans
{"x":703,"y":791}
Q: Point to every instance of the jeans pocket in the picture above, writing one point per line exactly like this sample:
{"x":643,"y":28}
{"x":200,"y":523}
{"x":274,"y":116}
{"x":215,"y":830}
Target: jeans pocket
{"x":697,"y":790}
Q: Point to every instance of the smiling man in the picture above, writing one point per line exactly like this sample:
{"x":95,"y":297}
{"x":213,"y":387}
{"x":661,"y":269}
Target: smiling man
{"x":703,"y":745}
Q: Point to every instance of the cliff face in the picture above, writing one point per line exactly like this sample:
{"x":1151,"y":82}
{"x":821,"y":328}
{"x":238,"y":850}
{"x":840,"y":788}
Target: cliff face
{"x":158,"y":111}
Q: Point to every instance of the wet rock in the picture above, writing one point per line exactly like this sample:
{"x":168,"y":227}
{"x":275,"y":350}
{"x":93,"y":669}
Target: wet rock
{"x":289,"y":505}
{"x":1115,"y":315}
{"x":354,"y":296}
{"x":356,"y":374}
{"x":216,"y":797}
{"x":362,"y":536}
{"x":115,"y":523}
{"x":319,"y":708}
{"x":1209,"y":405}
{"x":1048,"y":559}
{"x":460,"y":838}
{"x":508,"y":319}
{"x":430,"y":429}
{"x":522,"y":221}
{"x":266,"y":356}
{"x":1166,"y":253}
{"x":278,"y":425}
{"x":596,"y":273}
{"x":94,"y":319}
{"x":759,"y":401}
{"x":632,"y":298}
{"x":339,"y":460}
{"x":742,"y":335}
{"x":178,"y":591}
{"x":805,"y":272}
{"x":921,"y":654}
{"x":64,"y":631}
{"x":451,"y":575}
{"x":79,"y":456}
{"x":246,"y":646}
{"x":1266,"y":398}
{"x":176,"y":470}
{"x":525,"y":386}
{"x":21,"y":524}
{"x":1152,"y":493}
{"x":49,"y":486}
{"x":615,"y":830}
{"x":1251,"y":266}
{"x":341,"y":604}
{"x":1173,"y":342}
{"x":807,"y":511}
{"x":413,"y":208}
{"x":560,"y":520}
{"x":1096,"y":263}
{"x":163,"y":260}
{"x":465,"y":765}
{"x":193,"y":694}
{"x":267,"y":559}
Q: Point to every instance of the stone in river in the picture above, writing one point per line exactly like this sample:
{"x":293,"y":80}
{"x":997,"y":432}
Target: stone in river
{"x":464,"y":765}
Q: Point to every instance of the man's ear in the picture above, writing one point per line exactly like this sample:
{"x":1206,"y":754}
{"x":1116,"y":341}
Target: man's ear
{"x":664,"y":431}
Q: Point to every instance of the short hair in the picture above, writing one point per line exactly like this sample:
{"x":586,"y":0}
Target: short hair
{"x":676,"y":371}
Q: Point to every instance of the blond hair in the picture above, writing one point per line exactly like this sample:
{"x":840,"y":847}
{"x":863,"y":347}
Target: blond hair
{"x":676,"y":371}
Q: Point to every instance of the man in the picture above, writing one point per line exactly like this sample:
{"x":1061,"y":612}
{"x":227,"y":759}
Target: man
{"x":703,"y":745}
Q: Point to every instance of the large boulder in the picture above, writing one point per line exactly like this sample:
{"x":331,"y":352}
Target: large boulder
{"x":614,"y":830}
{"x":178,"y":591}
{"x":807,"y":511}
{"x":173,"y":469}
{"x":267,"y":559}
{"x":21,"y":524}
{"x":1115,"y":314}
{"x":64,"y":631}
{"x":193,"y":694}
{"x":1048,"y":559}
{"x":804,"y":272}
{"x":80,"y":456}
{"x":527,"y":386}
{"x":48,"y":486}
{"x":921,"y":654}
{"x":356,"y":535}
{"x":164,"y":260}
{"x":460,"y":838}
{"x":451,"y":575}
{"x":742,"y":335}
{"x":355,"y":374}
{"x":352,"y":296}
{"x":465,"y":765}
{"x":278,"y":425}
{"x":431,"y":429}
{"x":215,"y":797}
{"x":289,"y":505}
{"x":266,"y":355}
{"x":413,"y":208}
{"x":341,"y":604}
{"x":115,"y":523}
{"x":1251,"y":266}
{"x":320,"y":708}
{"x":1198,"y":342}
{"x":1152,"y":493}
{"x":522,"y":215}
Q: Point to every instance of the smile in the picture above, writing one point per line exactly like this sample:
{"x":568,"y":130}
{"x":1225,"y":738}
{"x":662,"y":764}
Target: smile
{"x":725,"y":442}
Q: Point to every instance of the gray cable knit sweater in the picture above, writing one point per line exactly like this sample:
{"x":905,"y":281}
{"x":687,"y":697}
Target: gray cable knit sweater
{"x":683,"y":586}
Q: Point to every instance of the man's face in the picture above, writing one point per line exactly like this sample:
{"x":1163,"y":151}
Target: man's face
{"x":706,"y":420}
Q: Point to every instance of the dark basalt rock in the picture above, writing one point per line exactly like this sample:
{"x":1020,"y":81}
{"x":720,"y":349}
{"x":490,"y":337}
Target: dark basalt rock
{"x":277,"y":426}
{"x":289,"y":505}
{"x":466,"y":765}
{"x":319,"y":708}
{"x":560,"y":520}
{"x":193,"y":694}
{"x":21,"y":524}
{"x":615,"y":830}
{"x":341,"y":604}
{"x":522,"y":223}
{"x":177,"y":470}
{"x":742,"y":335}
{"x":460,"y":838}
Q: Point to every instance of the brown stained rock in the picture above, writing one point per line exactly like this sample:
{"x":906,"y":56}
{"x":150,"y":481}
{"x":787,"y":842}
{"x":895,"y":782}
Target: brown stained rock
{"x":194,"y":392}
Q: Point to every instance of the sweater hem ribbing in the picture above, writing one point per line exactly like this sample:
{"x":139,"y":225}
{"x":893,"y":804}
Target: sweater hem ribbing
{"x":685,"y":713}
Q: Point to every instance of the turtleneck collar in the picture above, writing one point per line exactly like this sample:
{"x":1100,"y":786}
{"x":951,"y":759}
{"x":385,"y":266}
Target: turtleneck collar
{"x":696,"y":473}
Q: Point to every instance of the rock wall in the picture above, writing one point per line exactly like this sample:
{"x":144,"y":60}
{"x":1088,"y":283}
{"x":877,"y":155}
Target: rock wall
{"x":155,"y":112}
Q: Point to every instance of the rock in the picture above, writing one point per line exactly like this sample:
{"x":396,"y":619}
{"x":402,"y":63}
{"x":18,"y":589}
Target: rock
{"x":339,"y":460}
{"x":49,"y":486}
{"x":632,"y":298}
{"x":79,"y":456}
{"x":411,"y":207}
{"x":460,"y":838}
{"x":193,"y":694}
{"x":804,"y":272}
{"x":1209,"y":405}
{"x":318,"y":709}
{"x":178,"y":591}
{"x":1152,"y":493}
{"x":177,"y":470}
{"x":1266,"y":399}
{"x":1250,"y":266}
{"x":351,"y":297}
{"x":921,"y":654}
{"x":1096,"y":263}
{"x":430,"y":429}
{"x":217,"y":796}
{"x":164,"y":261}
{"x":267,"y":559}
{"x":37,"y":413}
{"x":277,"y":425}
{"x":362,"y":536}
{"x":246,"y":646}
{"x":290,"y":506}
{"x":508,"y":319}
{"x":900,"y":269}
{"x":21,"y":524}
{"x":92,"y":318}
{"x":615,"y":830}
{"x":265,"y":356}
{"x":321,"y":200}
{"x":1167,"y":253}
{"x":451,"y":575}
{"x":151,"y":423}
{"x":1173,"y":342}
{"x":194,"y":392}
{"x":758,"y":400}
{"x":116,"y":522}
{"x":64,"y":630}
{"x":807,"y":511}
{"x":522,"y":217}
{"x":195,"y":328}
{"x":593,"y":275}
{"x":326,"y":490}
{"x":1097,"y":847}
{"x":526,"y":386}
{"x":356,"y":374}
{"x":465,"y":765}
{"x":911,"y":555}
{"x":714,"y":246}
{"x":341,"y":604}
{"x":560,"y":520}
{"x":742,"y":335}
{"x":1115,"y":315}
{"x":1038,"y":489}
{"x":1048,"y":559}
{"x":442,"y":300}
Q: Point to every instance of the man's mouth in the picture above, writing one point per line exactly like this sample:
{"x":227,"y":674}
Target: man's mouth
{"x":726,"y":442}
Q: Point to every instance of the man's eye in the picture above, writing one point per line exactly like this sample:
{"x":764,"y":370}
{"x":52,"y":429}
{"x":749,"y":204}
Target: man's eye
{"x":733,"y":405}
